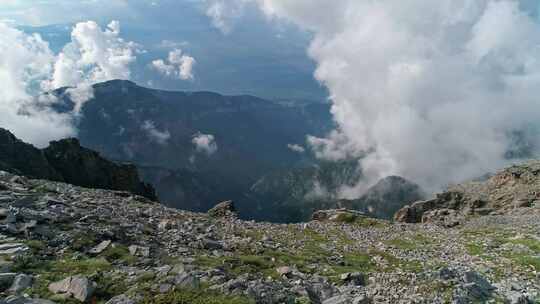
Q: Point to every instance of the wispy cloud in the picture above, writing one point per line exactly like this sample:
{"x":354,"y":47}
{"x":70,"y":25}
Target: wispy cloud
{"x":160,"y":137}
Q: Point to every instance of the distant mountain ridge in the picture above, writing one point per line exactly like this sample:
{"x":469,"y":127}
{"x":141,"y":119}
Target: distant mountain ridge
{"x":301,"y":191}
{"x":251,"y":162}
{"x":251,"y":137}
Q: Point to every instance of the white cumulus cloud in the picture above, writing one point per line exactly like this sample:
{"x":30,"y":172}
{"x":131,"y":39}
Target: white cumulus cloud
{"x":205,"y":143}
{"x":28,"y":68}
{"x":178,"y":65}
{"x":435,"y":98}
{"x":224,"y":13}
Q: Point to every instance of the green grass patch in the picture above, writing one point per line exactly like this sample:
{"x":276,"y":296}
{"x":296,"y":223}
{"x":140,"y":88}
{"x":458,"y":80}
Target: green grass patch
{"x":415,"y":242}
{"x":394,"y":263}
{"x":532,"y":244}
{"x":119,"y":254}
{"x":199,"y":296}
{"x":475,"y":249}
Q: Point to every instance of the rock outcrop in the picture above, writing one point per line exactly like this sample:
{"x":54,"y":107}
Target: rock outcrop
{"x":514,"y":187}
{"x":337,"y":215}
{"x":65,"y":160}
{"x":223,"y":209}
{"x":24,"y":159}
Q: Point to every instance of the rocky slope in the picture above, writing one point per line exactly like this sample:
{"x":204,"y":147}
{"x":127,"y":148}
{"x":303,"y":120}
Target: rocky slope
{"x":514,"y":187}
{"x":67,"y":161}
{"x":66,"y":244}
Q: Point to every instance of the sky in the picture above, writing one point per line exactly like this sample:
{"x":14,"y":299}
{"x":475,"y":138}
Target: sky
{"x":265,"y":59}
{"x":437,"y":97}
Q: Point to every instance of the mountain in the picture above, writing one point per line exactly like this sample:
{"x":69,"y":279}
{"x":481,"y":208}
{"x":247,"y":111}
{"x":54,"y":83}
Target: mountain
{"x":293,"y":195}
{"x":155,"y":129}
{"x":386,"y":197}
{"x":67,"y":161}
{"x":247,"y":157}
{"x":61,"y":243}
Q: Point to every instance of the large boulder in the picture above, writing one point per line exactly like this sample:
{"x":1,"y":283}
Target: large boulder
{"x":223,"y":209}
{"x":337,"y":215}
{"x":21,"y":283}
{"x":78,"y":287}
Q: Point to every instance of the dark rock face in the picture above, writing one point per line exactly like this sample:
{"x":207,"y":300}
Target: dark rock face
{"x":70,"y":159}
{"x":67,"y":161}
{"x":22,"y":158}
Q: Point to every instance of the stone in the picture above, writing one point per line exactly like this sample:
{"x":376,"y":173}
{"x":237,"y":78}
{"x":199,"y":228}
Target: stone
{"x":21,"y":283}
{"x":12,"y":248}
{"x":164,"y":288}
{"x":477,"y":286}
{"x":284,"y":271}
{"x":363,"y":299}
{"x":187,"y":280}
{"x":211,"y":244}
{"x":515,"y":297}
{"x":78,"y":287}
{"x":336,"y":215}
{"x":121,"y":299}
{"x":522,"y":203}
{"x":24,"y":300}
{"x":355,"y":278}
{"x":446,"y":274}
{"x":340,"y":299}
{"x":223,"y":209}
{"x":165,"y":225}
{"x":100,"y":247}
{"x":139,"y":251}
{"x":6,"y":280}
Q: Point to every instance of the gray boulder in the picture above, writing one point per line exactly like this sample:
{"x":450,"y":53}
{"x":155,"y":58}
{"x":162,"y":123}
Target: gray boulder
{"x":121,"y":299}
{"x":78,"y":287}
{"x":21,"y":283}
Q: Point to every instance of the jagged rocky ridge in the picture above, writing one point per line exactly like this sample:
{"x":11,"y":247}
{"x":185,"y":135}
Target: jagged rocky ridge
{"x":514,"y":187}
{"x":61,"y":243}
{"x":65,"y":160}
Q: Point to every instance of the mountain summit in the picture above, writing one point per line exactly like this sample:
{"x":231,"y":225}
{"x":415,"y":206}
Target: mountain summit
{"x":61,"y":243}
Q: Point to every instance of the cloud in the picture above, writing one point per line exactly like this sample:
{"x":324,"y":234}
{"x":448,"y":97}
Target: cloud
{"x":178,"y":65}
{"x":169,"y":44}
{"x":434,"y":99}
{"x":24,"y":61}
{"x":296,"y":148}
{"x":205,"y":143}
{"x":94,"y":55}
{"x":224,"y":13}
{"x":160,"y":137}
{"x":28,"y":69}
